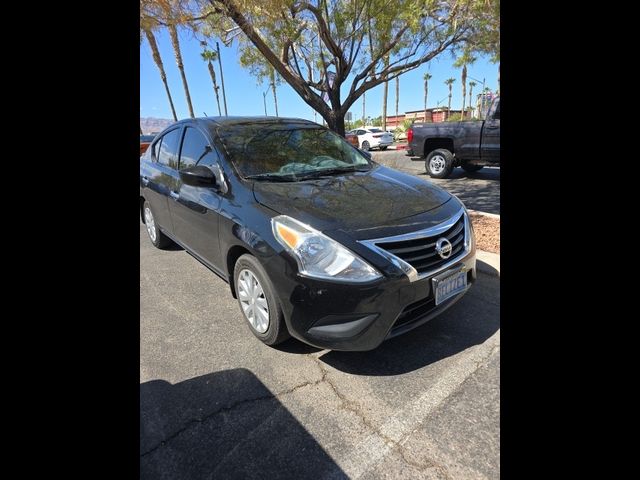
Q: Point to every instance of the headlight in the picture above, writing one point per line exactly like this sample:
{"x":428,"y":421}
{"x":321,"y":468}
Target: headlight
{"x":318,"y":255}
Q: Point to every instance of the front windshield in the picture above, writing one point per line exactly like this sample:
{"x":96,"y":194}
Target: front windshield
{"x":288,"y":152}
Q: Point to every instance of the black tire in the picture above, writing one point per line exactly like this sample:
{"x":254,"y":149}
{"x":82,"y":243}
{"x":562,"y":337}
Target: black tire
{"x":383,"y":148}
{"x":277,"y":329}
{"x":365,"y":146}
{"x":471,"y":168}
{"x":160,"y":241}
{"x":439,"y":163}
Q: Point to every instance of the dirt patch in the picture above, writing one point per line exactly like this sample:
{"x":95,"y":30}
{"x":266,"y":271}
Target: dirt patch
{"x":487,"y":231}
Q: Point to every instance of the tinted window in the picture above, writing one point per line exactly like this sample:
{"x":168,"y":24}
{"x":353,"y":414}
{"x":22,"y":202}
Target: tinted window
{"x":168,"y":152}
{"x":361,"y":132}
{"x":195,"y":149}
{"x":147,"y":138}
{"x":375,"y":130}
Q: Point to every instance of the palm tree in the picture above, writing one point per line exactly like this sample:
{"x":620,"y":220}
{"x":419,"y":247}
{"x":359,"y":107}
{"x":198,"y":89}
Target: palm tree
{"x":211,"y":56}
{"x":397,"y":95}
{"x":449,"y":82}
{"x":148,"y":32}
{"x":273,"y":88}
{"x":384,"y":97}
{"x":465,"y":59}
{"x":427,"y":77}
{"x":471,"y":85}
{"x":173,"y":33}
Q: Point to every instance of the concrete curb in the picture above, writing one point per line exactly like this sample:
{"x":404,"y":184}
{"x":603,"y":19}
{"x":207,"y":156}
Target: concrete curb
{"x":489,"y":263}
{"x":484,"y":214}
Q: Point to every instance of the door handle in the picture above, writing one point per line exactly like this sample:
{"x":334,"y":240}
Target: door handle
{"x":174,"y":195}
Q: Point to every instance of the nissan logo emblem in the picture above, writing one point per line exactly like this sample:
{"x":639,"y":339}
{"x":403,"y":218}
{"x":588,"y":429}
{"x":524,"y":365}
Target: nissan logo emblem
{"x":443,"y":247}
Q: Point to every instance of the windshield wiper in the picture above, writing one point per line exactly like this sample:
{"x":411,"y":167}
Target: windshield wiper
{"x":330,"y":171}
{"x":271,"y":177}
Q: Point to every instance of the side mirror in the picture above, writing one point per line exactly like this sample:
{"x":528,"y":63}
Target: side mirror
{"x":365,"y":153}
{"x":198,"y":176}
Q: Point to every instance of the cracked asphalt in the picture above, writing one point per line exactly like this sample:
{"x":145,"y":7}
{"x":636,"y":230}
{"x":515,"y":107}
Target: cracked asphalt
{"x":478,"y":191}
{"x":216,"y":403}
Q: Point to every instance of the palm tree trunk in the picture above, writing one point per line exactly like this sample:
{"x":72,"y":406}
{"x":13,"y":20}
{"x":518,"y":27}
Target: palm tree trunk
{"x":173,"y":33}
{"x":449,"y":104}
{"x":425,"y":100}
{"x":158,"y":61}
{"x":470,"y":99}
{"x":498,"y":78}
{"x":141,"y":130}
{"x":364,"y":98}
{"x":464,"y":89}
{"x":215,"y":85}
{"x":273,"y":88}
{"x":384,"y":98}
{"x":397,"y":95}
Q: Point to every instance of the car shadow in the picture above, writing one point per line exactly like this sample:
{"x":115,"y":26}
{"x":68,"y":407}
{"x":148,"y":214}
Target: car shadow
{"x":469,"y":322}
{"x":224,"y":425}
{"x":486,"y":269}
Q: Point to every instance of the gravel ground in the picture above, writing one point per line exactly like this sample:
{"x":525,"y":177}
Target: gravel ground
{"x":487,"y":231}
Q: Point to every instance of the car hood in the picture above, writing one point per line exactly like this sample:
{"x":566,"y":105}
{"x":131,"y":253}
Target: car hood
{"x":354,"y":201}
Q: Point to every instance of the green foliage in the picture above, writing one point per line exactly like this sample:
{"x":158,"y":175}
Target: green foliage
{"x":209,"y":55}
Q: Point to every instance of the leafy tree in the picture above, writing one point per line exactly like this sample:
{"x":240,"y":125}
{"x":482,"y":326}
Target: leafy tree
{"x":449,"y":82}
{"x":427,"y":77}
{"x":211,"y":56}
{"x":306,"y":40}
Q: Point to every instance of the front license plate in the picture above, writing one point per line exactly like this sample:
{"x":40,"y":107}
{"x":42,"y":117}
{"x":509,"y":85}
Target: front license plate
{"x":450,"y":286}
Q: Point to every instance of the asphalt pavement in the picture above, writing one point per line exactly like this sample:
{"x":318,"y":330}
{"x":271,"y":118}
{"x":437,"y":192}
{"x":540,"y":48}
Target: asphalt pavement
{"x":478,"y":191}
{"x":217,"y":403}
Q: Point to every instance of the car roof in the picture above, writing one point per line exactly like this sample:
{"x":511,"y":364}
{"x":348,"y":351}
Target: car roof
{"x":239,"y":120}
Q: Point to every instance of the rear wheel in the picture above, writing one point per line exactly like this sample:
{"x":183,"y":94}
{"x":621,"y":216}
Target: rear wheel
{"x":258,"y":302}
{"x":158,"y":239}
{"x":439,"y":163}
{"x":471,"y":168}
{"x":365,"y":146}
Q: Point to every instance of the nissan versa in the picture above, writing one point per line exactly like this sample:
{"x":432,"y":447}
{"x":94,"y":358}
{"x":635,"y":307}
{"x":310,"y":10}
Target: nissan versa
{"x":315,"y":239}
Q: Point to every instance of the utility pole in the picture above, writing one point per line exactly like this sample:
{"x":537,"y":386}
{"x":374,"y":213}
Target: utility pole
{"x":224,"y":96}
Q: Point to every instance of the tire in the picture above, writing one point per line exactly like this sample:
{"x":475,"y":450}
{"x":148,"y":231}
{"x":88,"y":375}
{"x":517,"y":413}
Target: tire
{"x":471,"y":168}
{"x":383,"y":148}
{"x":439,"y":163}
{"x":365,"y":146}
{"x":158,"y":239}
{"x":275,"y":331}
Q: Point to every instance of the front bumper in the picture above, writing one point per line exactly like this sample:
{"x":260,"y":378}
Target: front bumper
{"x":340,"y":316}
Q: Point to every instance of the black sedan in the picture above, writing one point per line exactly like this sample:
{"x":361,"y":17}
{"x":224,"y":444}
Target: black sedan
{"x":315,"y":239}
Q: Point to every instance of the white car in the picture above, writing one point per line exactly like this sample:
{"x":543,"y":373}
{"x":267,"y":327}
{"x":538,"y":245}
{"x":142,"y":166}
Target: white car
{"x":373,"y":137}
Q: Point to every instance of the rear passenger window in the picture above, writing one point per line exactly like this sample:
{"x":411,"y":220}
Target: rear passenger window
{"x":196,"y":150}
{"x":167,"y":154}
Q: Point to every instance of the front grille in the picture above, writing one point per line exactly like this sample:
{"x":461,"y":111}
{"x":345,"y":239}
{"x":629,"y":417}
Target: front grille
{"x":421,"y":253}
{"x":415,"y":312}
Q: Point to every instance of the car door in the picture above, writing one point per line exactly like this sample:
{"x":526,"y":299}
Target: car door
{"x":195,"y":210}
{"x":160,"y":178}
{"x":490,"y":150}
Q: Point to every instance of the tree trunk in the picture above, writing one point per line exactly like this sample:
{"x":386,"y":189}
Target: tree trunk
{"x":336,"y":123}
{"x":470,"y":99}
{"x":363,"y":108}
{"x":141,"y":130}
{"x":273,"y":87}
{"x":464,"y":89}
{"x":397,"y":96}
{"x":449,"y":104}
{"x":158,"y":61}
{"x":498,"y":78}
{"x":215,"y":85}
{"x":425,"y":101}
{"x":384,"y":98}
{"x":173,"y":33}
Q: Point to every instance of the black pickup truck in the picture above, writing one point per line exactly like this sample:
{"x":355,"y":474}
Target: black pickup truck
{"x":446,"y":145}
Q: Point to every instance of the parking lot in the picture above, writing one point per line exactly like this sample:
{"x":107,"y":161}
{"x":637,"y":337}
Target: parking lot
{"x":478,"y":191}
{"x":217,"y":403}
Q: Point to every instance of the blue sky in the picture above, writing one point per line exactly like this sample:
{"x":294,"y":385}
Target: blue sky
{"x":244,"y":95}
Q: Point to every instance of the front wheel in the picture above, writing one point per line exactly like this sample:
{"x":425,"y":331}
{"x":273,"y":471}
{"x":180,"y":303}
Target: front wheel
{"x":258,"y":302}
{"x":439,"y":163}
{"x":471,"y":168}
{"x":365,"y":146}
